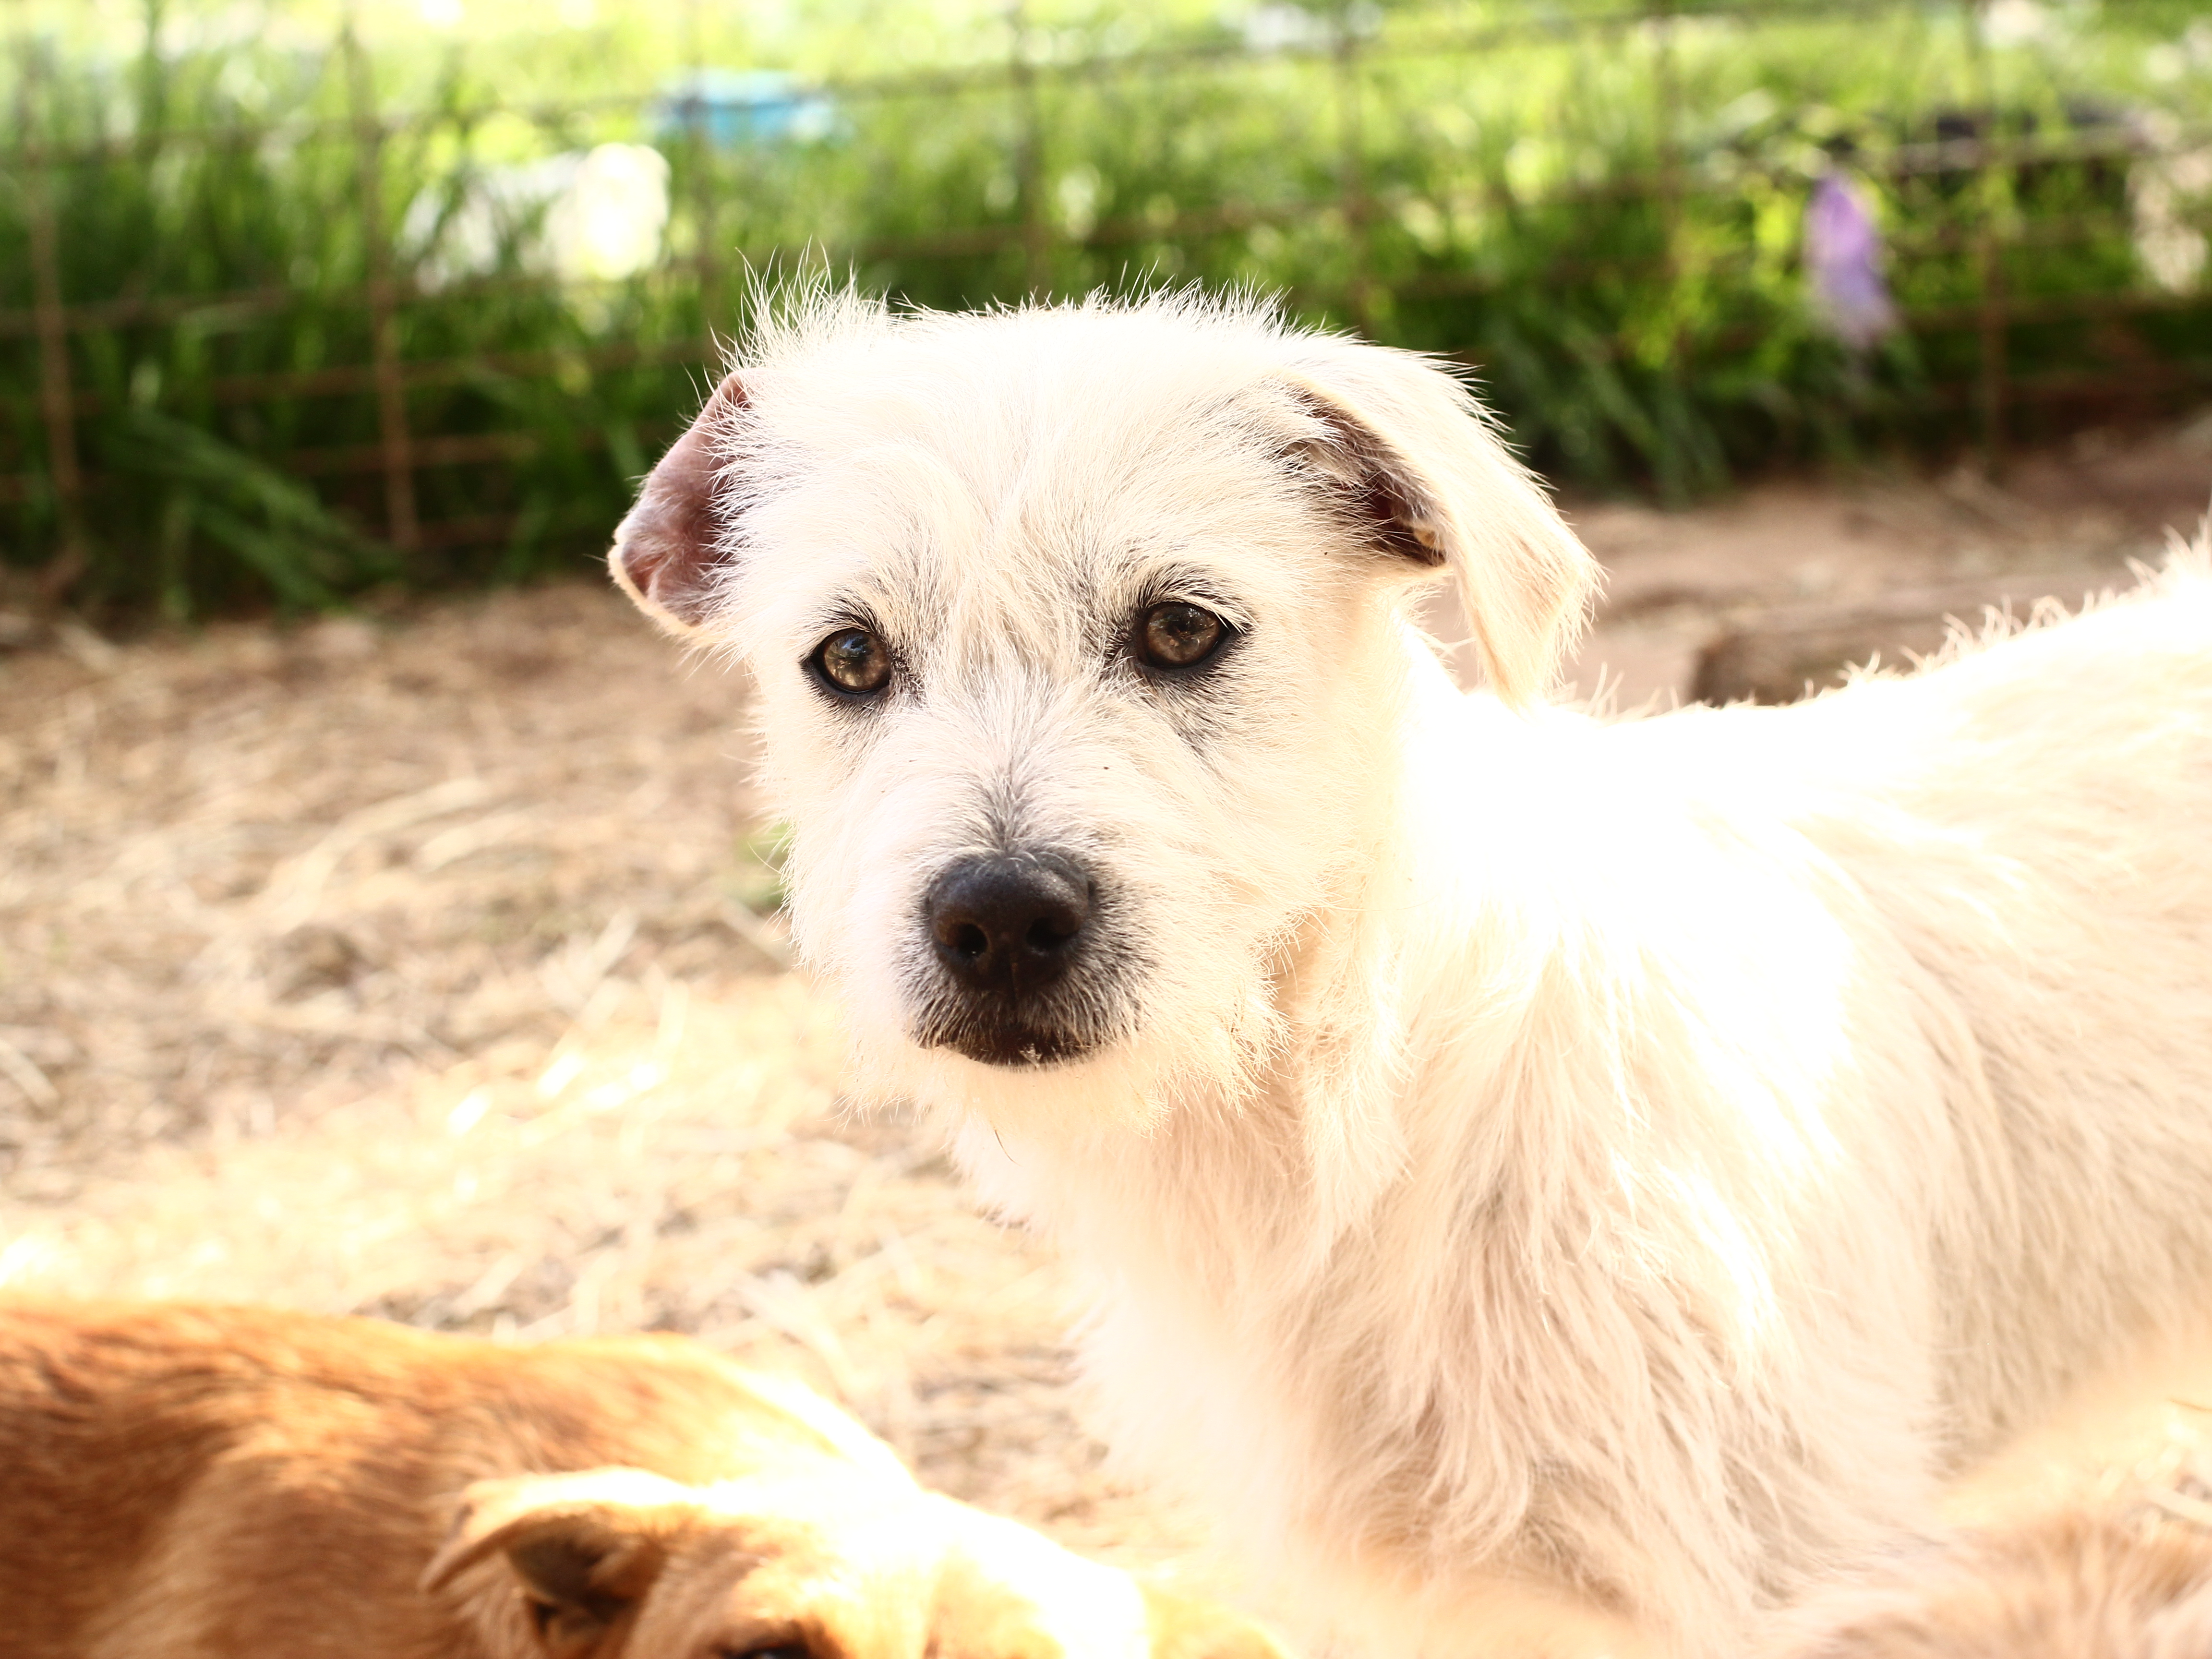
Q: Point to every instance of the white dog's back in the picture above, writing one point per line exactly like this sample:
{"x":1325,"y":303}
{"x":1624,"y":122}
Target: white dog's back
{"x":2058,"y":897}
{"x":1905,"y":989}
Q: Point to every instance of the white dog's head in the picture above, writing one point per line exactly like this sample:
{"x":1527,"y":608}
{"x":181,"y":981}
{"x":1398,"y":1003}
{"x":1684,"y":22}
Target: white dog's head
{"x":1080,"y":649}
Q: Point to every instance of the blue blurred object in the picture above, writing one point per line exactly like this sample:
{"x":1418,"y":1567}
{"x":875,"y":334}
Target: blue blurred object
{"x":735,"y":108}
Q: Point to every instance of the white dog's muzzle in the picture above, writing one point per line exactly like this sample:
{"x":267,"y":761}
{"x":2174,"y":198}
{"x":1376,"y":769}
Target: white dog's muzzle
{"x":1017,"y":962}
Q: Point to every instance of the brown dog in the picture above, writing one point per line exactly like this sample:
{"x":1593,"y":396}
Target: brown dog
{"x":188,"y":1482}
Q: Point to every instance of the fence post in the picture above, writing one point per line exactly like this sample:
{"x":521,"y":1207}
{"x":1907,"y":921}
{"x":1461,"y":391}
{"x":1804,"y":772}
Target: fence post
{"x":1037,"y":230}
{"x":57,"y":398}
{"x":1991,"y":390}
{"x":1358,"y":206}
{"x":699,"y":142}
{"x":401,"y":527}
{"x":1666,"y":89}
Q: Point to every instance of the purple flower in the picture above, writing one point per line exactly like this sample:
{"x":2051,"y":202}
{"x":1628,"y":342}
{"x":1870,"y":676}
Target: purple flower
{"x":1842,"y":263}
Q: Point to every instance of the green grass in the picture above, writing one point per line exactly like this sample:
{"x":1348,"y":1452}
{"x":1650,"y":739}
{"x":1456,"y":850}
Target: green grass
{"x":1620,"y":263}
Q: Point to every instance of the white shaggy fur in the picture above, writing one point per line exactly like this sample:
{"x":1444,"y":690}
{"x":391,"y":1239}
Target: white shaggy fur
{"x":1533,"y":1170}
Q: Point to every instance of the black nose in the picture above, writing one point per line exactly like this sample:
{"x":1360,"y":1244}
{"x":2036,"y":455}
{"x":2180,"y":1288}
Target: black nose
{"x":1008,"y":923}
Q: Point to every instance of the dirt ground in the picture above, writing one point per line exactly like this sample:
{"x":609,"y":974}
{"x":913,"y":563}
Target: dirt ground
{"x":427,"y":965}
{"x":2059,"y":520}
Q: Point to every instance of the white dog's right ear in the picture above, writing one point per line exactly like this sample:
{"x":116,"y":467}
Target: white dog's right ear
{"x":1421,"y":470}
{"x":667,"y":549}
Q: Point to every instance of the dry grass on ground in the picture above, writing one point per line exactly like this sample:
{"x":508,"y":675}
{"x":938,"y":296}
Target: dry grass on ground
{"x":253,"y":873}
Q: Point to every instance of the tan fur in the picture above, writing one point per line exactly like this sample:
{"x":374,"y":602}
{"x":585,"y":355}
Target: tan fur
{"x":189,"y":1482}
{"x":2100,"y":1579}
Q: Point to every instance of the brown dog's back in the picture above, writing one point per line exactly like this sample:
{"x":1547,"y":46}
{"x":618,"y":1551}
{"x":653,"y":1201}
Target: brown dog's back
{"x":188,"y":1480}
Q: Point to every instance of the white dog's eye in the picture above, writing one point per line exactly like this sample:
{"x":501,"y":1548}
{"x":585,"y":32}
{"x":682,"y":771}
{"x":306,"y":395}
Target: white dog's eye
{"x":1179,"y":634}
{"x":851,"y":662}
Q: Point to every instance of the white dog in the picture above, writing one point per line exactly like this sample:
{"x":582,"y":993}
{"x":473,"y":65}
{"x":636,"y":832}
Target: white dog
{"x":1541,"y":1177}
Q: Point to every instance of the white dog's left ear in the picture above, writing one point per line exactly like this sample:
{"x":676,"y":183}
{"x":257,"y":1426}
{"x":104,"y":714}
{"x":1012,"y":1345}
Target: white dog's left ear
{"x":667,"y":550}
{"x":1423,"y":473}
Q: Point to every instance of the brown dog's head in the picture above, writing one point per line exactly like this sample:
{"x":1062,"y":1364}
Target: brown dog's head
{"x":619,"y":1564}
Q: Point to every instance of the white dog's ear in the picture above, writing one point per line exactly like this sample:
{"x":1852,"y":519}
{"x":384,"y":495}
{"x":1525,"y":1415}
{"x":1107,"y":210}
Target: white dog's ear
{"x":1421,"y":471}
{"x":667,"y":548}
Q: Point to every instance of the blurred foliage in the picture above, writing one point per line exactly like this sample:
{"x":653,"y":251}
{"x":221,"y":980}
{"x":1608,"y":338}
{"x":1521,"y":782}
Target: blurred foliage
{"x":1598,"y":207}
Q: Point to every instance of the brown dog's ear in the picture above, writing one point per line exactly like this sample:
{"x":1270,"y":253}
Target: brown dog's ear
{"x":667,"y":548}
{"x":1418,"y":469}
{"x":583,"y":1549}
{"x":1181,"y":1628}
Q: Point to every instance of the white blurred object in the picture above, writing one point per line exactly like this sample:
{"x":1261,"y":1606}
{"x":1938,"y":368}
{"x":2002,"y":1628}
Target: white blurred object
{"x":2169,"y":201}
{"x":2018,"y":23}
{"x":1283,"y":27}
{"x":582,"y":215}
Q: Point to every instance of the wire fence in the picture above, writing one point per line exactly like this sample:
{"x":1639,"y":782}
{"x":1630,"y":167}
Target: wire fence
{"x":271,"y":327}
